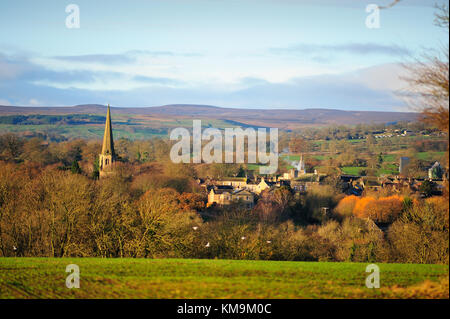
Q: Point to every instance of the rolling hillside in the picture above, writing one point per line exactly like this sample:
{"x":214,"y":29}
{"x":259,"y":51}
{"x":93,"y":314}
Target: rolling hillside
{"x":281,"y":118}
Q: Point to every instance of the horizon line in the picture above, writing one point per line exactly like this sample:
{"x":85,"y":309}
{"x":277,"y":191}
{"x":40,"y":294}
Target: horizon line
{"x":203,"y":105}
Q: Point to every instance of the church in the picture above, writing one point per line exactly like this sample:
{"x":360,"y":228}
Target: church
{"x":107,"y":157}
{"x":297,"y":171}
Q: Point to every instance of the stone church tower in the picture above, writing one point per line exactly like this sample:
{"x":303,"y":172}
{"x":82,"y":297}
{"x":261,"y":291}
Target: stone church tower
{"x":107,"y":157}
{"x":301,"y":165}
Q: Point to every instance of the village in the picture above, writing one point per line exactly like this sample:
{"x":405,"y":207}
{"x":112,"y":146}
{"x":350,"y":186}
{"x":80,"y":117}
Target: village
{"x":246,"y":187}
{"x":246,"y":190}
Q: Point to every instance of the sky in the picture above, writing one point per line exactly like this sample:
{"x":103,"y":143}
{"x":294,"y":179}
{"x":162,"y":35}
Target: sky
{"x":291,"y":54}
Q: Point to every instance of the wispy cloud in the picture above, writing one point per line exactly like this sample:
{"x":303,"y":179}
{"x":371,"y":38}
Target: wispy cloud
{"x":5,"y":102}
{"x":123,"y":58}
{"x":98,"y":58}
{"x":156,"y":80}
{"x":348,"y":48}
{"x":164,"y":53}
{"x":22,"y":69}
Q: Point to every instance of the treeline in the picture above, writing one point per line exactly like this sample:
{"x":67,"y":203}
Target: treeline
{"x":427,"y":145}
{"x":17,"y":149}
{"x":157,"y":211}
{"x":153,"y":208}
{"x":64,"y":154}
{"x":38,"y":119}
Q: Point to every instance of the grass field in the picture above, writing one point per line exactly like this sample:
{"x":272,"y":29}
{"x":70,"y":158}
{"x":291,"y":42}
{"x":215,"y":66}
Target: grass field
{"x":351,"y":170}
{"x":429,"y":156}
{"x":125,"y":126}
{"x":189,"y":278}
{"x":389,"y":158}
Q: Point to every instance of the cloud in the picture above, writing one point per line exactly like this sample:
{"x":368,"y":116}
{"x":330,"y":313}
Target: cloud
{"x":156,"y":80}
{"x":344,"y":91}
{"x":128,"y":57}
{"x":326,"y":91}
{"x":27,"y":83}
{"x":34,"y":102}
{"x":4,"y":102}
{"x":164,"y":53}
{"x":20,"y":69}
{"x":98,"y":58}
{"x":349,"y":48}
{"x":11,"y":67}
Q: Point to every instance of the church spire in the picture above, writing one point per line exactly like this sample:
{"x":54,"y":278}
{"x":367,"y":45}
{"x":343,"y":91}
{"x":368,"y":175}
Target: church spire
{"x":107,"y":157}
{"x":108,"y":143}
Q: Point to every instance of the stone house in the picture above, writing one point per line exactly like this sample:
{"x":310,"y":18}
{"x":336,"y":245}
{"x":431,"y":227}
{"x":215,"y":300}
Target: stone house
{"x":228,"y":196}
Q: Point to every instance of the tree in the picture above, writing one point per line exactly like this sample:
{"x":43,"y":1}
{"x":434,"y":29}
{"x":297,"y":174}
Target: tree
{"x":35,"y":150}
{"x":384,"y":210}
{"x":241,"y":172}
{"x":274,"y":205}
{"x":360,"y":207}
{"x":191,"y":202}
{"x":380,"y":158}
{"x":11,"y":146}
{"x":346,"y":206}
{"x":428,"y":79}
{"x":298,"y":145}
{"x":427,"y":188}
{"x":163,"y":227}
{"x":421,"y":234}
{"x":56,"y":209}
{"x":96,"y":169}
{"x":109,"y":223}
{"x":75,"y":168}
{"x":11,"y":183}
{"x":371,"y":140}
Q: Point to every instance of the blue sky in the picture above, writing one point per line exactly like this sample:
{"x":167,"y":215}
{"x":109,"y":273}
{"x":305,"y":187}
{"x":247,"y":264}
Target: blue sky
{"x":246,"y":53}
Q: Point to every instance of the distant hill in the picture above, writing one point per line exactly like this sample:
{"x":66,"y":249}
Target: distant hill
{"x":281,"y":118}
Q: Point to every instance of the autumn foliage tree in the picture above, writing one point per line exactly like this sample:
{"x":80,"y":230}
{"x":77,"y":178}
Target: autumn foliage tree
{"x":382,"y":210}
{"x":360,"y":206}
{"x":298,"y":145}
{"x":347,"y":205}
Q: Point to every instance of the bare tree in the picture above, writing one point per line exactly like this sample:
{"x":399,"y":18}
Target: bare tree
{"x":428,"y":80}
{"x":393,"y":3}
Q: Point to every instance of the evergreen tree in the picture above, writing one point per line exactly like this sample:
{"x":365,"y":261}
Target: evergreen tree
{"x":75,"y":168}
{"x":96,"y":169}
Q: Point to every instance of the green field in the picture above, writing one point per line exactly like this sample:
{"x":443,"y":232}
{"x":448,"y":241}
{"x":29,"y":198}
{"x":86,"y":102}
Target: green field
{"x":190,"y":278}
{"x":125,"y":126}
{"x":389,"y":158}
{"x":389,"y":169}
{"x":351,"y":170}
{"x":430,"y":156}
{"x":291,"y":158}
